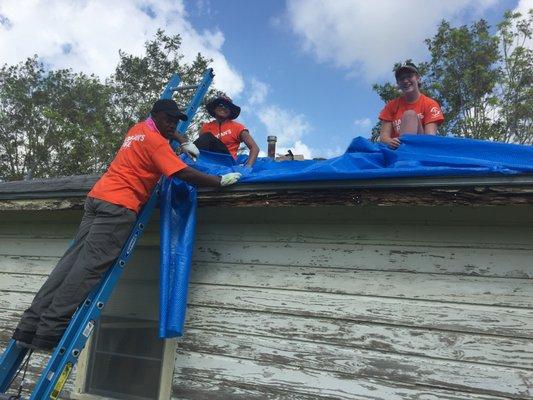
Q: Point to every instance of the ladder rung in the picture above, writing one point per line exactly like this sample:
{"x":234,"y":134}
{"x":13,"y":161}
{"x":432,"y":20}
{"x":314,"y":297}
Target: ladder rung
{"x":184,"y":87}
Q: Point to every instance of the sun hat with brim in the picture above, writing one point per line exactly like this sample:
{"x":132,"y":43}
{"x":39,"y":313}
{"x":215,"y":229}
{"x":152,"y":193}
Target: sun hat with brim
{"x":405,"y":67}
{"x":225,"y":101}
{"x":169,"y":107}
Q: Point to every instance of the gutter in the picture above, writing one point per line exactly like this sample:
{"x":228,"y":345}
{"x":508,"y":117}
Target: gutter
{"x":78,"y":186}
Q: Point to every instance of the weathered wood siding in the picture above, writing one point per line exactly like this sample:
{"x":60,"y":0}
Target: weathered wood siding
{"x":326,"y":302}
{"x":360,"y":303}
{"x":31,"y":243}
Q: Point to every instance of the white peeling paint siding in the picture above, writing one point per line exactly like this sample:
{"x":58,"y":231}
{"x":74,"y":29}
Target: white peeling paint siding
{"x":325,"y":302}
{"x":355,"y":303}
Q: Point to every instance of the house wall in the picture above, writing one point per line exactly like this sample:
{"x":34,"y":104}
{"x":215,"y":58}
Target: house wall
{"x":31,"y":243}
{"x":326,"y":302}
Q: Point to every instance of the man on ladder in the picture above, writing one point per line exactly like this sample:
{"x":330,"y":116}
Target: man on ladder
{"x":110,"y":212}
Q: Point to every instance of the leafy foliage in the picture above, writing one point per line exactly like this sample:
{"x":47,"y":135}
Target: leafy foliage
{"x":138,"y":80}
{"x":50,"y":123}
{"x":463,"y":73}
{"x":482,"y":81}
{"x":58,"y":123}
{"x":515,"y":88}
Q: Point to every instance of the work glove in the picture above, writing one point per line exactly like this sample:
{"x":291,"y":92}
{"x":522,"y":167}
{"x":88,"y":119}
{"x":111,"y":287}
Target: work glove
{"x":229,"y":179}
{"x":191,"y":149}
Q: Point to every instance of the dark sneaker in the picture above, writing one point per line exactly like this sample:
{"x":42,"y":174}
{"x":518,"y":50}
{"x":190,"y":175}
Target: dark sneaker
{"x":24,"y":345}
{"x":23,"y":336}
{"x":43,"y":342}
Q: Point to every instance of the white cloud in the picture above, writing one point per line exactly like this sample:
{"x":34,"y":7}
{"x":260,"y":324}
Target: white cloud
{"x":289,"y":128}
{"x":204,"y":8}
{"x":291,"y":131}
{"x":333,"y":152}
{"x":367,"y":37}
{"x":86,"y":35}
{"x":259,"y":91}
{"x":363,"y":127}
{"x":523,"y":7}
{"x":363,"y":123}
{"x":298,"y":148}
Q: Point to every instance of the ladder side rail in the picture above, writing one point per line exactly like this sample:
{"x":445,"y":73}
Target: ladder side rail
{"x":9,"y":363}
{"x":190,"y":111}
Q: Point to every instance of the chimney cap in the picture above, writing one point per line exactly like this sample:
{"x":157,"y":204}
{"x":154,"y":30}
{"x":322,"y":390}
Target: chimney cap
{"x":272,"y":138}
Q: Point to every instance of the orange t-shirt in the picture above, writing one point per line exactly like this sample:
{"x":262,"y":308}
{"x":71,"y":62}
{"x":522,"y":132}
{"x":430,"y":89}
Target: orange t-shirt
{"x":228,"y":132}
{"x":428,"y":111}
{"x":144,"y":156}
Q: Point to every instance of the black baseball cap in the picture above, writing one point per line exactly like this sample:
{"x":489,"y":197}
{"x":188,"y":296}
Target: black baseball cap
{"x":407,"y":66}
{"x":169,"y":107}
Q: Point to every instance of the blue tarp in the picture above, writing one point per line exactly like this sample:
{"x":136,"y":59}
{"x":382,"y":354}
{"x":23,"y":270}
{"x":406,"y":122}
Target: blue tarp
{"x":177,"y":226}
{"x":419,"y":155}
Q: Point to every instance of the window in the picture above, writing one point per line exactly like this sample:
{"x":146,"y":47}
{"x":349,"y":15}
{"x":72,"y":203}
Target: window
{"x":126,"y":359}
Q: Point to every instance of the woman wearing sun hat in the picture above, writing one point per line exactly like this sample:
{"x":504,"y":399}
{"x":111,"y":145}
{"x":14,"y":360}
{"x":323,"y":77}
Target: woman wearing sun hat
{"x":224,"y":134}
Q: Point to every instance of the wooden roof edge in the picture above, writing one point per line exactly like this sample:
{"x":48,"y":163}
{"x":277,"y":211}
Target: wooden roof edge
{"x":479,"y":195}
{"x":69,"y":192}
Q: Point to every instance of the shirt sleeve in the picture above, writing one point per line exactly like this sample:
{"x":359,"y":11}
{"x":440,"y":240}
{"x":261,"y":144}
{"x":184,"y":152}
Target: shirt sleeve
{"x":386,"y":114}
{"x":433,"y":113}
{"x":237,"y":129}
{"x":166,"y":161}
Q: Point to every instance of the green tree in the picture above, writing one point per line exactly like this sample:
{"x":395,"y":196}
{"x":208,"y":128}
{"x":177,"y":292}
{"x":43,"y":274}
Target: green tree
{"x":57,"y":122}
{"x":75,"y":110}
{"x":18,"y":120}
{"x":515,"y":88}
{"x":463,"y":73}
{"x":139,"y":80}
{"x":50,"y":122}
{"x":482,"y":81}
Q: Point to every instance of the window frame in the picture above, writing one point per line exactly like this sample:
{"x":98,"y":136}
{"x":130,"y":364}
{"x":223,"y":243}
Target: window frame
{"x":165,"y":380}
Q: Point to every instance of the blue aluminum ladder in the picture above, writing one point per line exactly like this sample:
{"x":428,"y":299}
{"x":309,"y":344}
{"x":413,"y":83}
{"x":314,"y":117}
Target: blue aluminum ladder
{"x":83,"y":321}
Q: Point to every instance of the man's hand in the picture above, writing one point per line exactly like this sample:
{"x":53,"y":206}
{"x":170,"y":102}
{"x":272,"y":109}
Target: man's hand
{"x":392,"y":142}
{"x":191,"y":149}
{"x":229,"y":179}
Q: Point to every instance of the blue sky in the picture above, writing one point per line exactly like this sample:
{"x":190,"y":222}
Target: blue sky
{"x":300,"y":69}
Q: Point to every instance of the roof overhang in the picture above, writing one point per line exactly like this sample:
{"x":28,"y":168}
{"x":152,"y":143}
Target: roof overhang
{"x":69,"y":192}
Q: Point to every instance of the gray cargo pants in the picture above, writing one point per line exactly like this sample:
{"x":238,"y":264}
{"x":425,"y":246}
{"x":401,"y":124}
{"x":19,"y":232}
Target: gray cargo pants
{"x":103,"y":230}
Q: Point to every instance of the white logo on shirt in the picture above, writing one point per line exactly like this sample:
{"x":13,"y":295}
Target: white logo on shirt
{"x":222,"y":134}
{"x":435,"y":111}
{"x":128,"y":140}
